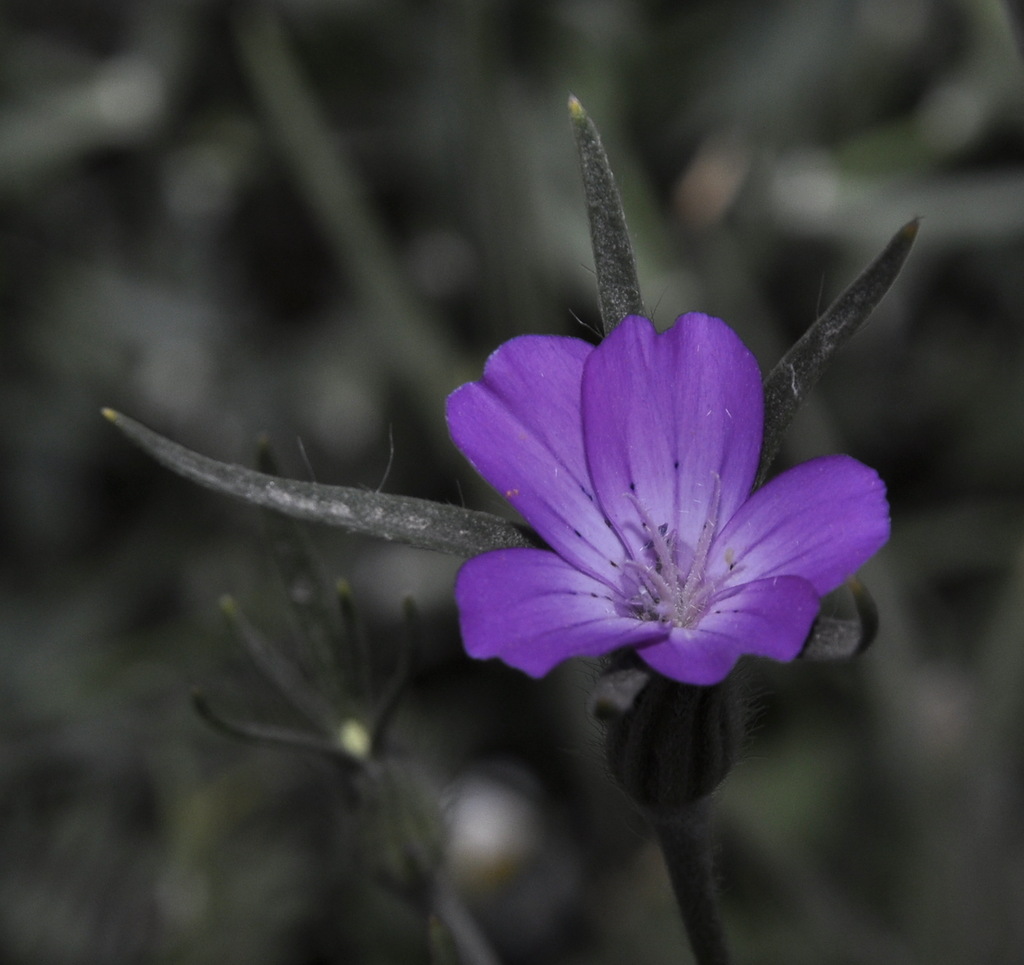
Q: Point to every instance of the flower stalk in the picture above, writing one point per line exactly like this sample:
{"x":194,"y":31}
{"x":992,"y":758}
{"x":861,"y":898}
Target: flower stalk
{"x":686,"y":843}
{"x":668,"y":752}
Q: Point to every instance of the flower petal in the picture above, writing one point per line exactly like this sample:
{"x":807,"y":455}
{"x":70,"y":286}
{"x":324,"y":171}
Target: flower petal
{"x":674,"y":422}
{"x":820,"y":520}
{"x":770,"y":618}
{"x":533,"y":610}
{"x":520,"y":427}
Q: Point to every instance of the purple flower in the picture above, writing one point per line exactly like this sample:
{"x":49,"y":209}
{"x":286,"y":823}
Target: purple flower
{"x":634,"y":460}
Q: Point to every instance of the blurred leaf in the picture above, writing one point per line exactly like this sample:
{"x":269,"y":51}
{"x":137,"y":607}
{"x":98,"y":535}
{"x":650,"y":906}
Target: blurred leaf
{"x":117,"y":104}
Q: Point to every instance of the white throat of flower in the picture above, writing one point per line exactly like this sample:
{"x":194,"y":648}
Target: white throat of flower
{"x":661,"y":590}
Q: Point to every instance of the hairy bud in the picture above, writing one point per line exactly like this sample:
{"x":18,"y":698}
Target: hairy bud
{"x":676,"y":743}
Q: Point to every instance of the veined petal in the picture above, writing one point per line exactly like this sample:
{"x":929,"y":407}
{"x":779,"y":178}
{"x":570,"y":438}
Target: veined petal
{"x":533,"y":610}
{"x":770,"y":618}
{"x":520,"y":427}
{"x":820,"y":520}
{"x":672,"y":422}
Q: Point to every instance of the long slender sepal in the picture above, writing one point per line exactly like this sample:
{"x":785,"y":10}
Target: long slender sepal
{"x":618,"y":287}
{"x":790,"y":382}
{"x":416,"y":522}
{"x":685,"y":840}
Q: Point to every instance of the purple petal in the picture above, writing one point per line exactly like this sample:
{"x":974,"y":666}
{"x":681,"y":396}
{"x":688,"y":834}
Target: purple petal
{"x":673,"y":421}
{"x":533,"y":610}
{"x":820,"y":520}
{"x":770,"y":618}
{"x":520,"y":427}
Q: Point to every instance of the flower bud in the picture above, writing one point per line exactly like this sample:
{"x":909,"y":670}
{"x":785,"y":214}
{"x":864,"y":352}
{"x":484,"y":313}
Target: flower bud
{"x":676,"y":743}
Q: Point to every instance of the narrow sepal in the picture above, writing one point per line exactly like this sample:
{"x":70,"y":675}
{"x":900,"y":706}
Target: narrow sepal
{"x":417,"y":522}
{"x":618,"y":287}
{"x":840,"y":638}
{"x":792,"y":379}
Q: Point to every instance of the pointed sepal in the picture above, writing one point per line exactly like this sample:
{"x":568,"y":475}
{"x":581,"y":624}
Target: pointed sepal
{"x":790,"y":382}
{"x":421,"y":523}
{"x":618,"y":287}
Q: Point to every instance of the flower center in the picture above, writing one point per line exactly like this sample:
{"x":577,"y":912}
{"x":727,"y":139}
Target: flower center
{"x":660,"y":588}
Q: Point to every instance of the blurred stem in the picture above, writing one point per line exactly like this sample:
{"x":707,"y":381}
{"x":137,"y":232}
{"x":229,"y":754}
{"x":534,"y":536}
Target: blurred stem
{"x":473,"y":946}
{"x":323,"y":652}
{"x":495,"y":190}
{"x":359,"y":653}
{"x":272,"y":736}
{"x":685,"y":839}
{"x":407,"y":336}
{"x":388,"y":705}
{"x":996,"y":723}
{"x":282,"y":675}
{"x":441,"y":943}
{"x":1015,"y":11}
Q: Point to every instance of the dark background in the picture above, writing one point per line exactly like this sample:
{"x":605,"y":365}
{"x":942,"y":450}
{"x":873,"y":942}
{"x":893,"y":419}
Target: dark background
{"x":312,"y":219}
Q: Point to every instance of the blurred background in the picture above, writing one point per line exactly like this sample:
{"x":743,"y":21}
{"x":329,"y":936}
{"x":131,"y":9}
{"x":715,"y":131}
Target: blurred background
{"x":312,"y":219}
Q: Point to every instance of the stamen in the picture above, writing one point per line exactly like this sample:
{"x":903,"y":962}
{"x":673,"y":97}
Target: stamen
{"x":660,"y":592}
{"x":658,"y":583}
{"x":707,"y":534}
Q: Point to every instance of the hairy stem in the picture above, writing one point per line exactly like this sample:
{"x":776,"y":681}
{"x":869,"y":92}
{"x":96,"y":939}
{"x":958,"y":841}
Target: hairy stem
{"x":685,"y":839}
